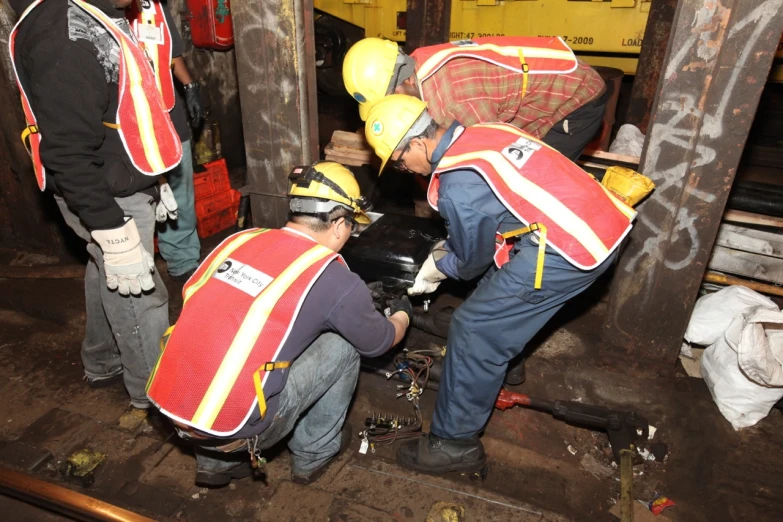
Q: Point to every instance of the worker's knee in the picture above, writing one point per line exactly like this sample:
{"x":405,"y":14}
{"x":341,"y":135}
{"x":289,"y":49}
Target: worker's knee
{"x":339,"y":351}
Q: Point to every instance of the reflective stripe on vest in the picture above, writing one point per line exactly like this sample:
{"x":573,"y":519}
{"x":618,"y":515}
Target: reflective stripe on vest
{"x":239,"y":308}
{"x":143,"y":124}
{"x":150,"y":26}
{"x":522,"y":54}
{"x":537,"y":184}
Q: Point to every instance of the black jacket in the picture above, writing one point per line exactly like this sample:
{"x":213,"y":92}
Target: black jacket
{"x":68,"y":67}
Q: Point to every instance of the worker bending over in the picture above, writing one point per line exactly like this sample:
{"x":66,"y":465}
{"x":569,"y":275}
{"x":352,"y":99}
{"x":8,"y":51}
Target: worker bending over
{"x":550,"y":227}
{"x":533,"y":83}
{"x":270,"y":334}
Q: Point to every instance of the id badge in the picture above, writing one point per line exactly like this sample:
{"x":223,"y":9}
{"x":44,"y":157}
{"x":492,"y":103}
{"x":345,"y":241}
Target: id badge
{"x":150,"y":34}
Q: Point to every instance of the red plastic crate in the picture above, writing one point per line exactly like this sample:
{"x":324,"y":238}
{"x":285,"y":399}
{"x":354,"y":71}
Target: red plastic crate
{"x":217,"y":212}
{"x":214,"y":181}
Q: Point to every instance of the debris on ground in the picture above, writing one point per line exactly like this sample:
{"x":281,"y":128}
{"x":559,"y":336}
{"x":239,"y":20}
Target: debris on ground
{"x":659,"y":503}
{"x":595,"y":468}
{"x":571,"y":449}
{"x":446,"y":512}
{"x":645,"y":453}
{"x":81,"y":466}
{"x":640,"y":513}
{"x":132,"y":419}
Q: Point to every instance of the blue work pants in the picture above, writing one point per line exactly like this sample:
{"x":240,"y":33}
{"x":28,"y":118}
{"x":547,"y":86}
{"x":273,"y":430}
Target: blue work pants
{"x":493,"y":326}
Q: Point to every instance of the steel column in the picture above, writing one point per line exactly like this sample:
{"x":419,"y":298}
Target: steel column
{"x":428,"y":23}
{"x":275,"y":48}
{"x":718,"y":60}
{"x":648,"y":72}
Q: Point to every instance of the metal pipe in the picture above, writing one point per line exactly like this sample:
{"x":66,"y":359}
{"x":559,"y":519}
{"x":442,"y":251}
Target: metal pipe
{"x":63,"y":500}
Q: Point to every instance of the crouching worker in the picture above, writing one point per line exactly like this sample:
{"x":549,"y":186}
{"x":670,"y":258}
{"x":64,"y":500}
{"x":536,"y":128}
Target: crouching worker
{"x":269,"y":339}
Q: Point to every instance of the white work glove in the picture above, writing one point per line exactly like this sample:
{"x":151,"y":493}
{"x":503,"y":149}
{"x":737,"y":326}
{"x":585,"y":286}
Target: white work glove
{"x":167,"y":206}
{"x":127,"y":264}
{"x":429,"y":277}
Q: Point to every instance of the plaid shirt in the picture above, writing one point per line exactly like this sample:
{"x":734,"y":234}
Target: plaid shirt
{"x":473,"y":91}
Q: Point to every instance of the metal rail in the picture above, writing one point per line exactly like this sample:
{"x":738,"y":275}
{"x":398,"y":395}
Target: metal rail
{"x":62,"y":500}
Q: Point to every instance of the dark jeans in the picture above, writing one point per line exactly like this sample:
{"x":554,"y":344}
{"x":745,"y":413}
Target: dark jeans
{"x":122,"y":333}
{"x":572,"y":134}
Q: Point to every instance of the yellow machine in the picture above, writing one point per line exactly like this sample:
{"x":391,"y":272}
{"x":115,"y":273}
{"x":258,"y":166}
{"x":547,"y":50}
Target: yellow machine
{"x":603,"y":32}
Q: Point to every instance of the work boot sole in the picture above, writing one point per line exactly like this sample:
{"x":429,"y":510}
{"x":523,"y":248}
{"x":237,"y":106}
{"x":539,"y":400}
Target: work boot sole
{"x":475,"y":470}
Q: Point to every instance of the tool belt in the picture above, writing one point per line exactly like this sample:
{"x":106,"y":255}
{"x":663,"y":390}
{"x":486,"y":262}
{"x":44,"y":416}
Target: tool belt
{"x":505,"y":242}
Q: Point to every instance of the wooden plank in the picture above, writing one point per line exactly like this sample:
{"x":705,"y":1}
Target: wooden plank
{"x":349,"y":138}
{"x":750,"y":240}
{"x":749,"y":218}
{"x":746,"y":264}
{"x":350,"y":153}
{"x":600,"y":154}
{"x":353,"y":162}
{"x":723,"y":279}
{"x":346,"y":148}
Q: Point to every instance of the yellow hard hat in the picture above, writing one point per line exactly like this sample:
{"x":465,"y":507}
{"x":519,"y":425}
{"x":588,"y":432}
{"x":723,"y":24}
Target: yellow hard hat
{"x":389,"y":120}
{"x":314,"y":190}
{"x":368,"y":68}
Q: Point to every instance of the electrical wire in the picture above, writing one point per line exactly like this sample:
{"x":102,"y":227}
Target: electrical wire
{"x":413,"y":366}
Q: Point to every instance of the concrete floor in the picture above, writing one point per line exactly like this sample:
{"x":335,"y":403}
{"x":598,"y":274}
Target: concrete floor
{"x":541,"y":469}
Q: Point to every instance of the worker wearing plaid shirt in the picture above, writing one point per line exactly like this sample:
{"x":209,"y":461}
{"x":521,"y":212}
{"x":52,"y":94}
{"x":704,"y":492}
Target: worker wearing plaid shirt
{"x":563,"y":109}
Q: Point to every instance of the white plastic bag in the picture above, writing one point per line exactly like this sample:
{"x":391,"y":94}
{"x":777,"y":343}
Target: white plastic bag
{"x":629,"y":141}
{"x":713,"y":312}
{"x":743,"y":369}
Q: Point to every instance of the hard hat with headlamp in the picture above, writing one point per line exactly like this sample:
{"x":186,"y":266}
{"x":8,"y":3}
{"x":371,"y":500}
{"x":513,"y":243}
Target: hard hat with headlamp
{"x":319,"y":188}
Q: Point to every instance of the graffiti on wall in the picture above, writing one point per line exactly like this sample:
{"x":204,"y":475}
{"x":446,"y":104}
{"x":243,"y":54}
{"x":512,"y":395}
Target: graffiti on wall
{"x":688,"y":120}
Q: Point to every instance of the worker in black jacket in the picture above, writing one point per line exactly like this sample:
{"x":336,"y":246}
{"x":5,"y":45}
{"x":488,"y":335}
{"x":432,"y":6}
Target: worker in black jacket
{"x":99,"y":136}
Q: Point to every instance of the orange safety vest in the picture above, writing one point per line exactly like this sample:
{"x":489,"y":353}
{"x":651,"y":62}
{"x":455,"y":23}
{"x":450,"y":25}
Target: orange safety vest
{"x":239,"y":307}
{"x":561,"y":203}
{"x":522,"y":54}
{"x":144,"y":125}
{"x":152,"y":31}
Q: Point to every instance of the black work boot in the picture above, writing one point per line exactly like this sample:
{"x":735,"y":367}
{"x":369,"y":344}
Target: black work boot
{"x":515,"y":374}
{"x":219,"y":479}
{"x":435,"y":455}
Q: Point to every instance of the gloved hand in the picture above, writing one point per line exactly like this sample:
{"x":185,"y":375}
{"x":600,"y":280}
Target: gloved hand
{"x":401,"y":304}
{"x":376,"y":293}
{"x":193,"y":101}
{"x":167,"y":206}
{"x":127,"y":264}
{"x":429,"y":277}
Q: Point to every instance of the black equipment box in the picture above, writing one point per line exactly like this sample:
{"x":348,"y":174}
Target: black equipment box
{"x":392,"y":249}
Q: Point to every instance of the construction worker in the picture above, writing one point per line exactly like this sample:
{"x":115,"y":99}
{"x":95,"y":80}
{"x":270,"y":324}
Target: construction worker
{"x":100,"y":136}
{"x":157,"y":34}
{"x":534,"y":83}
{"x":505,"y":196}
{"x":270,"y":334}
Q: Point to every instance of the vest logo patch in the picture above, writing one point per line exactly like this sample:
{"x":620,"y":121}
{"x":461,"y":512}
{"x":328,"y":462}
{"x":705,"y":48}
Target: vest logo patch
{"x":520,"y":151}
{"x":464,"y":43}
{"x":242,"y":277}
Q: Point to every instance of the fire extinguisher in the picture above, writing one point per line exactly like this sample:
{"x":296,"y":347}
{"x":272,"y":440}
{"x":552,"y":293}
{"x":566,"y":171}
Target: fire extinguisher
{"x":210,"y":24}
